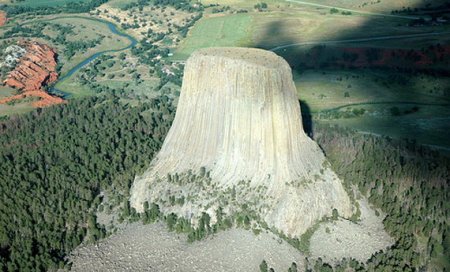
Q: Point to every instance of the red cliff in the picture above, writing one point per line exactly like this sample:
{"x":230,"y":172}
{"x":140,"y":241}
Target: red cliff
{"x":36,"y":69}
{"x":3,"y":18}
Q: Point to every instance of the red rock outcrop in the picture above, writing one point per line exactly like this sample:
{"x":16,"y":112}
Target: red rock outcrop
{"x":3,"y":18}
{"x":44,"y":101}
{"x":36,"y":69}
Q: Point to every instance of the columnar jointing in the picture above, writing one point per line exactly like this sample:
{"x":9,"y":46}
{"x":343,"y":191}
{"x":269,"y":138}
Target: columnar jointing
{"x":239,"y":117}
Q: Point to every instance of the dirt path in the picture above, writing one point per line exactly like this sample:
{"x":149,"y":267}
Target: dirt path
{"x":354,"y":10}
{"x":380,"y":38}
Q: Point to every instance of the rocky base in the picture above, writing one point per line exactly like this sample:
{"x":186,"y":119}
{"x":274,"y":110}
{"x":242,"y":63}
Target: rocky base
{"x":154,"y":248}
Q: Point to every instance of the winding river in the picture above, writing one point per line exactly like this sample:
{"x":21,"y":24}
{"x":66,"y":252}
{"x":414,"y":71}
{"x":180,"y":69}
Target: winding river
{"x":113,"y":28}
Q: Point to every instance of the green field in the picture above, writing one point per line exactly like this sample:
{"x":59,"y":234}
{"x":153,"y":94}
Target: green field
{"x":15,"y":107}
{"x":381,"y":6}
{"x":120,"y":3}
{"x":422,"y":105}
{"x":73,"y":87}
{"x":41,"y":3}
{"x":326,"y":89}
{"x":233,"y":30}
{"x":429,"y":126}
{"x":284,"y":25}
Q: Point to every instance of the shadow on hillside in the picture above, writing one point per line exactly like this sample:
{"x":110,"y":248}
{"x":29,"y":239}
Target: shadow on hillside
{"x":323,"y":58}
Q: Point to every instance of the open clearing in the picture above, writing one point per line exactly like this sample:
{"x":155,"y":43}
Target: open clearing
{"x":214,"y":31}
{"x":378,"y":6}
{"x":429,"y":126}
{"x":327,"y":89}
{"x":423,"y":98}
{"x":15,"y":107}
{"x":40,"y":3}
{"x":285,"y":24}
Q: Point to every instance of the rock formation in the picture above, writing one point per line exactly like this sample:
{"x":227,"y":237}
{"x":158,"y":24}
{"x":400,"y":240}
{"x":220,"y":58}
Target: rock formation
{"x":3,"y":18}
{"x":237,"y":142}
{"x":36,"y":68}
{"x":13,"y":54}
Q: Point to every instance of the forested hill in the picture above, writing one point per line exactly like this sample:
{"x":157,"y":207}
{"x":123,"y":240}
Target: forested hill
{"x":54,"y":163}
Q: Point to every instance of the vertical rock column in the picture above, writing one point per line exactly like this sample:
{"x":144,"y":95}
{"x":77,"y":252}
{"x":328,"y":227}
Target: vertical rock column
{"x":239,"y":117}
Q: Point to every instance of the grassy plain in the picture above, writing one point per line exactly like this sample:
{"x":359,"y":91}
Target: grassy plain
{"x":430,"y":125}
{"x":40,"y":3}
{"x":327,"y":89}
{"x":119,"y":3}
{"x":213,"y":31}
{"x":421,"y":101}
{"x":16,"y":108}
{"x":287,"y":24}
{"x":376,"y":6}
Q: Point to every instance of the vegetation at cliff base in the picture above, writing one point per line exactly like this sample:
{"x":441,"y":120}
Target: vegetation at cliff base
{"x":407,"y":181}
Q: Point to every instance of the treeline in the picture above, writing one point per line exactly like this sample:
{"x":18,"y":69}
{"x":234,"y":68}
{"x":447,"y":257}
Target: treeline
{"x":55,"y":162}
{"x":177,"y":4}
{"x":70,"y":7}
{"x":409,"y":182}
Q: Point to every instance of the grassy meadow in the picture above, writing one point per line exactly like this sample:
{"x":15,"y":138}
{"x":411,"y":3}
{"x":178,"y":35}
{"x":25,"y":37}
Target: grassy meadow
{"x":15,"y":107}
{"x":213,"y":31}
{"x":40,"y":3}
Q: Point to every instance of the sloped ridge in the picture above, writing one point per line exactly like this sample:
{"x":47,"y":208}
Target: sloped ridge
{"x":238,"y":119}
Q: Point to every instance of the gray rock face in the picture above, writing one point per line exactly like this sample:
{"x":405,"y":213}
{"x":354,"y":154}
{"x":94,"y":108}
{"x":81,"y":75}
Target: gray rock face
{"x":238,"y":119}
{"x":12,"y":55}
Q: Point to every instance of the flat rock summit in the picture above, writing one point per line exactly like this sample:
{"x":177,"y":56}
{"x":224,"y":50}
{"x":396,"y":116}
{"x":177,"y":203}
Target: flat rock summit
{"x":237,"y":143}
